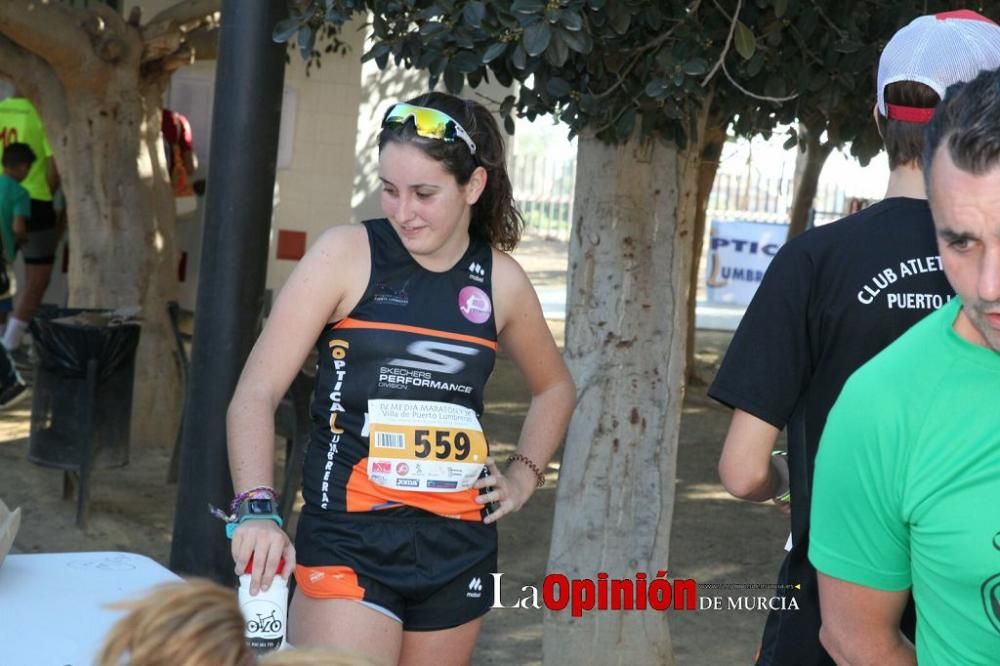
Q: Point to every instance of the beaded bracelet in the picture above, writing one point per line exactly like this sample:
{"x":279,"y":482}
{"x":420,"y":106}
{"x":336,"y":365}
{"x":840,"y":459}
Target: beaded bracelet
{"x":233,"y":520}
{"x":531,"y":465}
{"x":253,"y":493}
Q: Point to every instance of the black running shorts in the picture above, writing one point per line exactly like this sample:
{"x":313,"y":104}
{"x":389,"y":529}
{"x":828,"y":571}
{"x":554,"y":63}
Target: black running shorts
{"x":43,"y":237}
{"x":427,"y":571}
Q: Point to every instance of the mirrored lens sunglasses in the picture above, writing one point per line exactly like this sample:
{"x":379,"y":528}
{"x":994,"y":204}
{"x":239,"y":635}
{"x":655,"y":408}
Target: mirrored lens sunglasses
{"x":429,"y":123}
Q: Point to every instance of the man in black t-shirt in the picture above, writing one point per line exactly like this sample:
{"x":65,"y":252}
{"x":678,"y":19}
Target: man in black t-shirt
{"x":831,"y":299}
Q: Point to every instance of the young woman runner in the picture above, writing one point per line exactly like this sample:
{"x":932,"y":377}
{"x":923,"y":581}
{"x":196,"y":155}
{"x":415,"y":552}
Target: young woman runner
{"x":397,"y":537}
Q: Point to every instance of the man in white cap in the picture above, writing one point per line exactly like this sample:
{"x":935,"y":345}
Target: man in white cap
{"x":907,"y":488}
{"x":831,"y":299}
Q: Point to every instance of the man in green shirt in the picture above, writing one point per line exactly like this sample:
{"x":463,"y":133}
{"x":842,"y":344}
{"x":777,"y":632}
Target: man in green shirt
{"x":907,"y":483}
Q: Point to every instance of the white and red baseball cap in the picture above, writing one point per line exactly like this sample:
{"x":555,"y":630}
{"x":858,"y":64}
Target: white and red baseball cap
{"x":937,"y":50}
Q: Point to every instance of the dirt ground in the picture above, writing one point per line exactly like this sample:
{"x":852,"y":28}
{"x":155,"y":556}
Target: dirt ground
{"x":715,"y":539}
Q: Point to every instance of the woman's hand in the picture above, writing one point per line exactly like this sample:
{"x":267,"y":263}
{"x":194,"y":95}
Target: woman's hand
{"x":266,"y":543}
{"x":507,"y":492}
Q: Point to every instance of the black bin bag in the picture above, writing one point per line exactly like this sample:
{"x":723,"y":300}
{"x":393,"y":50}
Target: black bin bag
{"x":70,"y":412}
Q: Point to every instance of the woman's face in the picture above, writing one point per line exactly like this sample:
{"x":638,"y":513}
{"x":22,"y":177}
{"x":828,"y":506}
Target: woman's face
{"x":425,"y":204}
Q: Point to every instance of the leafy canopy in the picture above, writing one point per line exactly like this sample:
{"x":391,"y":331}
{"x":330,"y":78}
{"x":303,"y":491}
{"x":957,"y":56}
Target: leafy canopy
{"x":610,"y":67}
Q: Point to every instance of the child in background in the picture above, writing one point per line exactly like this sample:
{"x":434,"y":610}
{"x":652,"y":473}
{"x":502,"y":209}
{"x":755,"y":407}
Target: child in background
{"x":15,"y":209}
{"x":196,"y":623}
{"x":15,"y":203}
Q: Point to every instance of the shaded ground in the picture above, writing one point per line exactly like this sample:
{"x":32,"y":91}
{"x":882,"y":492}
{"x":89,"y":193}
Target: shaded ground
{"x":715,"y":538}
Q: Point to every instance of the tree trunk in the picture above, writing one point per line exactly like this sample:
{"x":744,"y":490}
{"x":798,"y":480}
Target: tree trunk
{"x":630,"y":262}
{"x":711,"y":152}
{"x":98,"y":79}
{"x":809,"y":166}
{"x":121,"y":231}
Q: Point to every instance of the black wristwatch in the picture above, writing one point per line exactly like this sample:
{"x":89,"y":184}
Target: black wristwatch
{"x":258,"y":506}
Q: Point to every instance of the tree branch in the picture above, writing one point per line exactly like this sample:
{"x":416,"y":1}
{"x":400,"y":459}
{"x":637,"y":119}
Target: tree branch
{"x":182,"y":57}
{"x":164,"y":36}
{"x":725,"y":47}
{"x":721,"y":62}
{"x":614,"y":119}
{"x":652,"y":45}
{"x":764,"y":98}
{"x":805,"y":48}
{"x":182,"y":13}
{"x":836,"y":28}
{"x":49,"y":30}
{"x":35,"y":79}
{"x":722,"y":10}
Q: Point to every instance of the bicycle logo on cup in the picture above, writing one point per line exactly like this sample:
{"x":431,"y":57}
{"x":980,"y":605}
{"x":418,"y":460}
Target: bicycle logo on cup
{"x":264,"y":624}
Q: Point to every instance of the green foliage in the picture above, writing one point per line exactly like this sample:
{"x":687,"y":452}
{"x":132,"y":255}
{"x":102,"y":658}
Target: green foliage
{"x":612,"y":68}
{"x":315,"y":31}
{"x":605,"y":66}
{"x":746,"y":44}
{"x":832,"y":50}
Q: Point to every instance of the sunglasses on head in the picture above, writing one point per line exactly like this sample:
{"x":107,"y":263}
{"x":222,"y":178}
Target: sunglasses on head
{"x":429,"y":123}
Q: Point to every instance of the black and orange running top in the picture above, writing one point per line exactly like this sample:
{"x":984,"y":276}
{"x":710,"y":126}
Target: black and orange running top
{"x":399,"y":387}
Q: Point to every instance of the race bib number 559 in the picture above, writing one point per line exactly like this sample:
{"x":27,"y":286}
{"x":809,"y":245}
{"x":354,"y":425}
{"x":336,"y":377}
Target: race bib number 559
{"x":421,"y":445}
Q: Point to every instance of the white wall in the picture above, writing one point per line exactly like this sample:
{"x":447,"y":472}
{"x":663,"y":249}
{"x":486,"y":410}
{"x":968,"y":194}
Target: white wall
{"x":328,"y":158}
{"x":315,"y":153}
{"x":314,"y":192}
{"x":378,"y":90}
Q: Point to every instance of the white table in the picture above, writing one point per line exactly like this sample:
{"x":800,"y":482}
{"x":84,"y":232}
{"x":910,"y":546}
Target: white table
{"x":52,"y":605}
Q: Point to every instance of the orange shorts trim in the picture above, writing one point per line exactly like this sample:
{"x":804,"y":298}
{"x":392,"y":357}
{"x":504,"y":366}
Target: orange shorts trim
{"x":336,"y":582}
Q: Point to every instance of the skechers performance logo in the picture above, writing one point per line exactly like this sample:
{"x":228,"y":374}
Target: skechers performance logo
{"x":437,"y":357}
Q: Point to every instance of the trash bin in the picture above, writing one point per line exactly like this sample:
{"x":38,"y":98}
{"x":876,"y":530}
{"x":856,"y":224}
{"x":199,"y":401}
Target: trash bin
{"x":82,"y":393}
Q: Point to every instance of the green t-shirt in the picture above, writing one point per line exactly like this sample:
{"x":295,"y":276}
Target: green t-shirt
{"x":20,"y":123}
{"x":907,"y":487}
{"x":14,"y":200}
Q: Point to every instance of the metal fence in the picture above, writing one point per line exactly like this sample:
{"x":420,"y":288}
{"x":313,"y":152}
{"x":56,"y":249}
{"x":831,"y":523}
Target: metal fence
{"x":543,"y":189}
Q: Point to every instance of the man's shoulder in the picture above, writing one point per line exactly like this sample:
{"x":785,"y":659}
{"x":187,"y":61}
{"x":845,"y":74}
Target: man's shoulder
{"x":17,"y":190}
{"x":10,"y":186}
{"x":859,"y":225}
{"x":858,"y":239}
